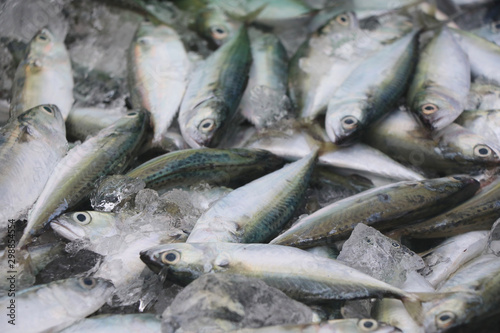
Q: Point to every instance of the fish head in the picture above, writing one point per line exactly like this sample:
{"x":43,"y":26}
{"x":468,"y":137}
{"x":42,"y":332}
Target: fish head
{"x":149,"y":35}
{"x":181,"y":262}
{"x":82,"y":292}
{"x":341,"y":21}
{"x":435,"y":109}
{"x":367,"y":325}
{"x":90,"y":225}
{"x":132,"y":122}
{"x":45,"y":119}
{"x":45,"y":47}
{"x":453,"y":310}
{"x":215,"y":26}
{"x":344,"y":124}
{"x":202,"y":130}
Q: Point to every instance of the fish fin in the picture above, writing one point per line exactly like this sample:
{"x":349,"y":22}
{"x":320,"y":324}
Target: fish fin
{"x":26,"y":134}
{"x":413,"y":304}
{"x":428,"y":297}
{"x":248,"y":18}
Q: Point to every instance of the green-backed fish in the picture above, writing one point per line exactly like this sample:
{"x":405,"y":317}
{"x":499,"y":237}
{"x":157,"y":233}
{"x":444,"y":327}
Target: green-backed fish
{"x":31,"y":144}
{"x":75,"y":175}
{"x":245,"y":217}
{"x":371,"y":90}
{"x":439,"y":89}
{"x":382,"y":208}
{"x":158,"y":72}
{"x":43,"y":77}
{"x":208,"y":109}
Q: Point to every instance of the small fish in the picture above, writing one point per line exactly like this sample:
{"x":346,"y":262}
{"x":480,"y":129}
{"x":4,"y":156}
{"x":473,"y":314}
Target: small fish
{"x":46,"y":60}
{"x":485,"y":123}
{"x":110,"y":323}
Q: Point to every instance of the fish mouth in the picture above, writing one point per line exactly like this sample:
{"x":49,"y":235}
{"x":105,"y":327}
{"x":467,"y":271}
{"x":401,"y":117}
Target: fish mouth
{"x":150,"y":262}
{"x":65,"y":230}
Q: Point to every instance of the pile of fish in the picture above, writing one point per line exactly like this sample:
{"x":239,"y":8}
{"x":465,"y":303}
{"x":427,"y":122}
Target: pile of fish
{"x":250,"y":166}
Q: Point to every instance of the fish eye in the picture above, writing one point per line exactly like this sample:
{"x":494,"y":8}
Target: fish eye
{"x":82,"y":218}
{"x":429,"y":108}
{"x":218,"y":32}
{"x":88,"y":282}
{"x":349,"y":122}
{"x":368,"y":325}
{"x":496,"y":25}
{"x":207,"y":125}
{"x":445,"y":319}
{"x":47,"y":109}
{"x":131,"y":114}
{"x":42,"y":37}
{"x":342,"y":19}
{"x":170,"y":257}
{"x":396,"y":245}
{"x":482,"y":151}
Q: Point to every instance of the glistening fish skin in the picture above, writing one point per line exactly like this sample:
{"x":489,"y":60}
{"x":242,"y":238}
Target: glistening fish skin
{"x":383,"y":208}
{"x":44,"y":76}
{"x":76,"y":174}
{"x":472,"y":294}
{"x":371,"y":90}
{"x":158,"y":70}
{"x":365,"y":325}
{"x":54,"y":306}
{"x":299,"y":274}
{"x":110,"y":323}
{"x":485,"y":123}
{"x":439,"y":89}
{"x":31,"y":145}
{"x":209,"y":106}
{"x":84,"y":122}
{"x":256,"y":212}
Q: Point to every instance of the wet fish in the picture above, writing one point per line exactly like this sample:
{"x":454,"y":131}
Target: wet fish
{"x":371,"y":90}
{"x":441,"y":83}
{"x":56,"y":305}
{"x":158,"y":73}
{"x":46,"y":60}
{"x":209,"y":106}
{"x":382,"y":207}
{"x":485,"y":123}
{"x":213,"y":24}
{"x":31,"y":145}
{"x":483,"y":97}
{"x":131,"y":323}
{"x":243,"y":217}
{"x":490,"y":31}
{"x":299,"y":274}
{"x":76,"y":174}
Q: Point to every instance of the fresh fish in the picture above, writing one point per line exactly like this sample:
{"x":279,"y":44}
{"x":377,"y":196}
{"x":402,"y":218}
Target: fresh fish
{"x":264,"y":101}
{"x":454,"y":252}
{"x":477,"y":213}
{"x":490,"y":32}
{"x":90,"y":225}
{"x":382,"y":207}
{"x":31,"y":145}
{"x":84,"y":122}
{"x":483,"y":97}
{"x":76,"y":174}
{"x":439,"y":89}
{"x":209,"y":106}
{"x":109,"y":323}
{"x":299,"y":274}
{"x":242,"y":217}
{"x":484,"y":56}
{"x":485,"y":123}
{"x":56,"y":305}
{"x":370,"y":90}
{"x":46,"y":60}
{"x":472,"y":294}
{"x":158,"y":71}
{"x":331,"y":326}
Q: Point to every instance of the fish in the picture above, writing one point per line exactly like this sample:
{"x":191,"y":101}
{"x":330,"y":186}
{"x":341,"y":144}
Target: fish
{"x":31,"y":144}
{"x":132,"y":322}
{"x":371,"y":90}
{"x":213,"y":24}
{"x":483,"y":97}
{"x":264,"y":101}
{"x":299,"y":274}
{"x":75,"y":175}
{"x":158,"y":69}
{"x":243,"y":217}
{"x":56,"y":305}
{"x":209,"y":106}
{"x":490,"y":31}
{"x":46,"y":60}
{"x":439,"y":89}
{"x":83,"y":122}
{"x":381,"y":207}
{"x":482,"y":122}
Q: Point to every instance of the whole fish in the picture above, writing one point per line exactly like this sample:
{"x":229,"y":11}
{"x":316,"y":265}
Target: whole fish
{"x":354,"y":325}
{"x":243,"y":217}
{"x":477,"y":213}
{"x":56,"y":305}
{"x":485,"y":123}
{"x":46,"y":60}
{"x":209,"y":106}
{"x":31,"y":144}
{"x":264,"y":101}
{"x":109,"y":323}
{"x":472,"y":294}
{"x":75,"y":175}
{"x":371,"y":90}
{"x":299,"y":274}
{"x":382,"y":207}
{"x":158,"y":72}
{"x":439,"y":89}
